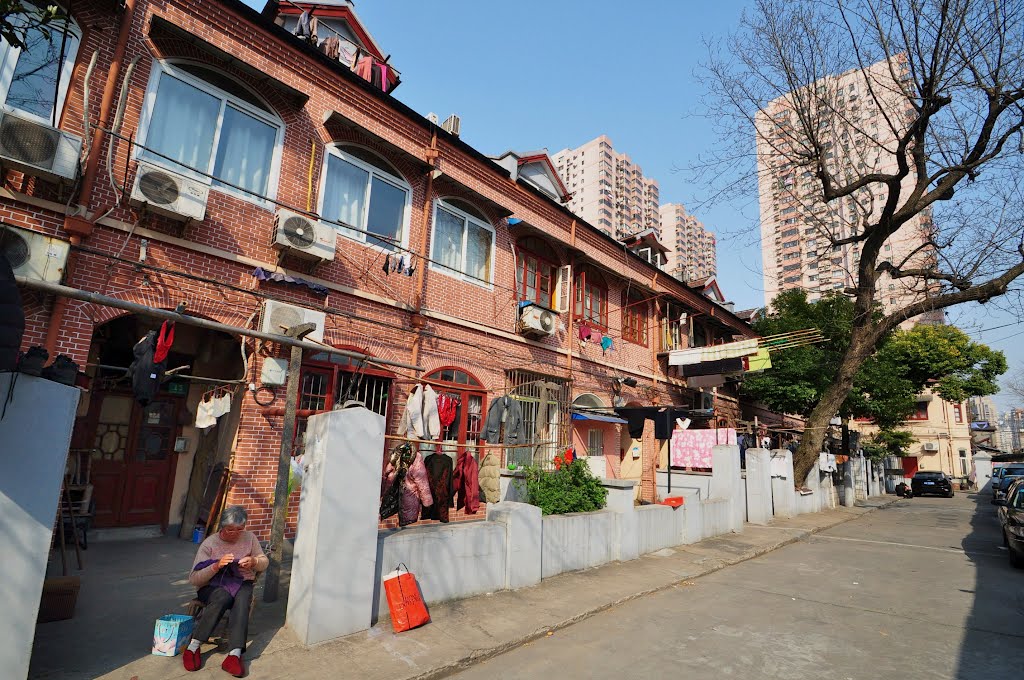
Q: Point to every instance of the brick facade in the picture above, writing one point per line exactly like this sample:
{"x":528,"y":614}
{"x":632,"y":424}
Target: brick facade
{"x":208,"y":264}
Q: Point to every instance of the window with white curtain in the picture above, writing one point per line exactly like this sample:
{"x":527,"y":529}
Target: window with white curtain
{"x":361,"y":190}
{"x":34,"y":79}
{"x":463,"y":243}
{"x":197,"y":119}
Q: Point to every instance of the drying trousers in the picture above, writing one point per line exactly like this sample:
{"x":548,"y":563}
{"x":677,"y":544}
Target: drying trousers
{"x":218,"y":601}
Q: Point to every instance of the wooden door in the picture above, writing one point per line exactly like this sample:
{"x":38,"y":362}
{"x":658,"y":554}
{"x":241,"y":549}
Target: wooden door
{"x":132,"y":458}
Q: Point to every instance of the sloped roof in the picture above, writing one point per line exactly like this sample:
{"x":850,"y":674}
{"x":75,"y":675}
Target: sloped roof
{"x":542,"y":161}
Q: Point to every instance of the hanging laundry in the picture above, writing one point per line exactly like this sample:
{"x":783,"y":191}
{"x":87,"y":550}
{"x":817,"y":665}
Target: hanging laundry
{"x":314,"y":29}
{"x":387,"y":264}
{"x":145,"y":372}
{"x":759,"y":362}
{"x":364,"y":68}
{"x":467,"y":484}
{"x":635,"y":418}
{"x":720,"y":367}
{"x":407,"y":266}
{"x":505,"y":412}
{"x":585,"y":333}
{"x":729,"y":350}
{"x":415,"y":492}
{"x":447,"y":408}
{"x":441,"y":473}
{"x":606,"y":344}
{"x":347,"y":53}
{"x":331,"y":47}
{"x":384,"y":80}
{"x":685,"y":357}
{"x":692,"y":448}
{"x":164,"y":341}
{"x":375,"y":75}
{"x":262,"y":274}
{"x":490,"y":478}
{"x":204,"y":414}
{"x":420,"y":419}
{"x":665,"y":422}
{"x":221,"y":405}
{"x":304,"y":29}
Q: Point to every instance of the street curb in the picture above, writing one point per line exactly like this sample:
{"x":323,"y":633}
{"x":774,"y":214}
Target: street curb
{"x":479,"y":656}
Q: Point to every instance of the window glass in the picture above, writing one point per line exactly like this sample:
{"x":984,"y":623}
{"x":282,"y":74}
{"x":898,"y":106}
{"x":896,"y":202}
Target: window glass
{"x":178,"y":103}
{"x":363,"y":196}
{"x":36,"y":68}
{"x":245,"y":151}
{"x":461,"y":244}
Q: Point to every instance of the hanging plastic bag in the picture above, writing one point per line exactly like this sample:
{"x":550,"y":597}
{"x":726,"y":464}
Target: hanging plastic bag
{"x":404,"y":600}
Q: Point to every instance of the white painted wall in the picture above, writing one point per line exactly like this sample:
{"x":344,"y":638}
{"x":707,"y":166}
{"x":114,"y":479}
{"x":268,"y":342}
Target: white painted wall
{"x":35,"y":434}
{"x":759,"y":486}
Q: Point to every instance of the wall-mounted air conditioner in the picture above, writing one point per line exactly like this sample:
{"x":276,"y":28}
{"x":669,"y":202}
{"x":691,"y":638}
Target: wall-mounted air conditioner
{"x":38,"y":149}
{"x":452,"y":124}
{"x":279,"y":316}
{"x":537,"y":322}
{"x":33,"y":255}
{"x":169,"y":193}
{"x":304,"y":237}
{"x":930,"y":446}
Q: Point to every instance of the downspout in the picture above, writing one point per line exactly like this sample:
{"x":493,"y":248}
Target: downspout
{"x":572,"y":302}
{"x":417,"y":319}
{"x":79,"y":227}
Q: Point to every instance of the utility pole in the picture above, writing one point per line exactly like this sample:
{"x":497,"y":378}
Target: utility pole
{"x":270,"y":588}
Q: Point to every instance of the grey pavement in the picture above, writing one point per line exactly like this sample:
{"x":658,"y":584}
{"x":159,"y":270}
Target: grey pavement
{"x":922,"y":589}
{"x":126,"y":586}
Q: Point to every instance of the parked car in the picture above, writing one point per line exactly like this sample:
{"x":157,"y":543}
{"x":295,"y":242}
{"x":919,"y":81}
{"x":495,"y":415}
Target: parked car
{"x":1011,"y":519}
{"x":1007,"y":475}
{"x":997,"y":473}
{"x":931,"y":482}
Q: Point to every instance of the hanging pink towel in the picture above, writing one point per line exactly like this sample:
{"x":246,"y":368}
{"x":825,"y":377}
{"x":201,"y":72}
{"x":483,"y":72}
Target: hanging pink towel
{"x":692,"y":448}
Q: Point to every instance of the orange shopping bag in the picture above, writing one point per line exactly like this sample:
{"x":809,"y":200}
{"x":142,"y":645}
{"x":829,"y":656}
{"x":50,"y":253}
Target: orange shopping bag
{"x":404,"y":600}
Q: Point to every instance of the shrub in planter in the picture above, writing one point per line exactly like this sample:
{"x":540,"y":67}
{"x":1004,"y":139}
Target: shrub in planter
{"x":570,"y":488}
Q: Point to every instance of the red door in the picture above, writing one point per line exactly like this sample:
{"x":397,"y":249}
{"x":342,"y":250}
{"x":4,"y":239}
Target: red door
{"x":132,"y":458}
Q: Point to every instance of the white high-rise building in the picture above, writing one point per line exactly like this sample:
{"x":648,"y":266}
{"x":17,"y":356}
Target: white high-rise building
{"x":692,"y":250}
{"x":797,"y":227}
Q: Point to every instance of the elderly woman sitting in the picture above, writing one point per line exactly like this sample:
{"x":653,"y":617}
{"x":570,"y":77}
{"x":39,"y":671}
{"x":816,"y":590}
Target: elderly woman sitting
{"x":224,"y":570}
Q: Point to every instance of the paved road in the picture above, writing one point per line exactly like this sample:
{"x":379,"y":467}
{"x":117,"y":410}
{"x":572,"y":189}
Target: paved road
{"x":922,"y":589}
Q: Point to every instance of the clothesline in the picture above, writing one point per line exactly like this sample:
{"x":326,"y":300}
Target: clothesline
{"x":442,"y":442}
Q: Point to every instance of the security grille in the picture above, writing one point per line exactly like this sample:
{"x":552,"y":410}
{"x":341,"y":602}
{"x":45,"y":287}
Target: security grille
{"x":527,"y":388}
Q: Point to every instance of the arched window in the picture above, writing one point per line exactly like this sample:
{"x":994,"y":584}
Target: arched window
{"x":536,"y":273}
{"x":471,"y":402}
{"x":634,"y":317}
{"x":361,"y":189}
{"x":462,"y":242}
{"x":591,"y":298}
{"x":34,"y":79}
{"x":204,"y":121}
{"x":329,"y":381}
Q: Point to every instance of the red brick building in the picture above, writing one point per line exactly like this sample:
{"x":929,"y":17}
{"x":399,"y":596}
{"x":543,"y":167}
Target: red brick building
{"x":223,"y":131}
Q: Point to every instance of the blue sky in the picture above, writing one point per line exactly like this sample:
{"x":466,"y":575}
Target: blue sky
{"x":528,"y":74}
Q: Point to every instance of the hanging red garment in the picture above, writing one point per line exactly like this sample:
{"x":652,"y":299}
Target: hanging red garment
{"x":447,"y":406}
{"x":467,"y":483}
{"x":164,"y":341}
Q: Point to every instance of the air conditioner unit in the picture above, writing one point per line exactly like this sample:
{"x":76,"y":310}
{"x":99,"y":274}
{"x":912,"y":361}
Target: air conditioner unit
{"x":537,"y":322}
{"x":33,"y":255}
{"x":930,"y":446}
{"x":452,"y":124}
{"x":38,"y":149}
{"x":279,"y":316}
{"x":304,"y":237}
{"x":169,"y":193}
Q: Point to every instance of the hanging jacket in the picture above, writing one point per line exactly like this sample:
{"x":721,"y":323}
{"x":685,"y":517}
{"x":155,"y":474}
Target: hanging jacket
{"x":146,"y":373}
{"x":467,"y":483}
{"x":420,"y":419}
{"x":490,"y":478}
{"x":508,"y":409}
{"x":415,"y":490}
{"x":12,"y":317}
{"x":441,"y":472}
{"x":447,"y":409}
{"x":303,"y":28}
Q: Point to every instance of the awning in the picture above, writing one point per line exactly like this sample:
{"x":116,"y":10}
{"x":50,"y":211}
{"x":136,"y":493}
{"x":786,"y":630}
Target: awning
{"x":598,"y":417}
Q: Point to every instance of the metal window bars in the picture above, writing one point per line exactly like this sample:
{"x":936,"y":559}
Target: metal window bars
{"x":528,"y":388}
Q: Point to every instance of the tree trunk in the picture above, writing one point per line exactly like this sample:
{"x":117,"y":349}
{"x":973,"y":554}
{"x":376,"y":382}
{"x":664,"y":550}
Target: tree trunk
{"x":862,"y":344}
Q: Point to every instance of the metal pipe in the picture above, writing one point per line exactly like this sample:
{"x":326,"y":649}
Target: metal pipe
{"x":66,"y":293}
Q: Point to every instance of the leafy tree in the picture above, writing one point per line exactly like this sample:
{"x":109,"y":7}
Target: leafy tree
{"x":943,"y":167}
{"x":888,"y":443}
{"x":942,"y":358}
{"x":18,"y":16}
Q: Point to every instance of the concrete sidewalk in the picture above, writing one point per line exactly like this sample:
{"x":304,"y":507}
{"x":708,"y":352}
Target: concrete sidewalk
{"x":465,"y":632}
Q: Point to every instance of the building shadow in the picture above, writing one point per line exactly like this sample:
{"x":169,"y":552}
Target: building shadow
{"x":992,"y":645}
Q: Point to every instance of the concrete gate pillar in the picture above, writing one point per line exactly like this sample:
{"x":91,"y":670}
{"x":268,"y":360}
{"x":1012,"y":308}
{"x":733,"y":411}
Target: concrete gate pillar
{"x":849,"y":484}
{"x":759,"y":486}
{"x":783,"y":501}
{"x":726,"y":482}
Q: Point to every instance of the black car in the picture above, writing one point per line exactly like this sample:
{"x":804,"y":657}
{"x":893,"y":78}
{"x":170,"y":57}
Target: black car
{"x":1011,"y":517}
{"x":931,"y":482}
{"x":1008,"y":475}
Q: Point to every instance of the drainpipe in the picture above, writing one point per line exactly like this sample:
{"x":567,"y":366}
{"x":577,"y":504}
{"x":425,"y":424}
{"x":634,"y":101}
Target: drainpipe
{"x":572,"y":302}
{"x":417,"y":320}
{"x":77,"y":226}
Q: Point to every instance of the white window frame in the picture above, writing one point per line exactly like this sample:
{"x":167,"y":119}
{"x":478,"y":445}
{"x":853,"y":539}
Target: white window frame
{"x":466,"y":217}
{"x":9,"y":56}
{"x":160,"y":68}
{"x":338,"y":150}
